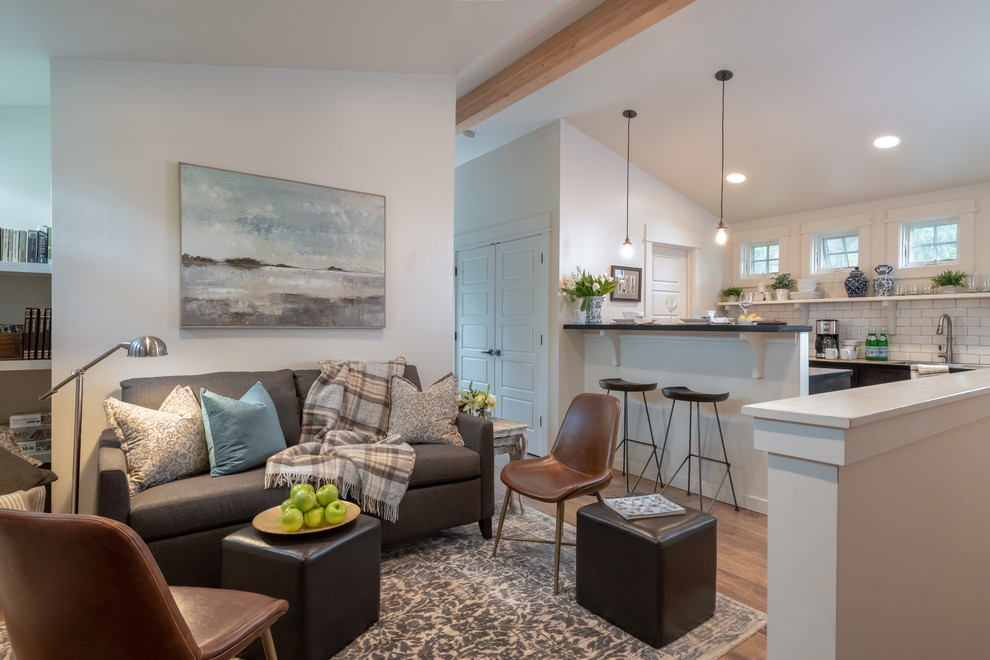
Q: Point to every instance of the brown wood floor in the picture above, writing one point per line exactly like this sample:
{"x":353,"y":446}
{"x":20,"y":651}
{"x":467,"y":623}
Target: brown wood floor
{"x":742,"y":548}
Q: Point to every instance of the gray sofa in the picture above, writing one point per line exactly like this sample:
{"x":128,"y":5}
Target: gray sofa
{"x":183,"y":521}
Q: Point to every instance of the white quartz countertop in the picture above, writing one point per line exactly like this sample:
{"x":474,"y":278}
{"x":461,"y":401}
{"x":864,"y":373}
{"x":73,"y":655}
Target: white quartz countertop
{"x":846,"y":409}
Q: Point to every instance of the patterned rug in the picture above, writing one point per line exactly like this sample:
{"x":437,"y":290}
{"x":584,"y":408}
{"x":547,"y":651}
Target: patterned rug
{"x":446,"y":597}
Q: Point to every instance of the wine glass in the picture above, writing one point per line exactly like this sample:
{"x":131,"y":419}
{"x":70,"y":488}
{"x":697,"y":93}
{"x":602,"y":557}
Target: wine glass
{"x":671,"y":303}
{"x":745,"y":300}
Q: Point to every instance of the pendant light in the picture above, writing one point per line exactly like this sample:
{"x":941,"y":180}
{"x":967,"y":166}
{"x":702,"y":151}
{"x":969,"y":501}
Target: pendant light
{"x":627,"y":247}
{"x":721,"y":236}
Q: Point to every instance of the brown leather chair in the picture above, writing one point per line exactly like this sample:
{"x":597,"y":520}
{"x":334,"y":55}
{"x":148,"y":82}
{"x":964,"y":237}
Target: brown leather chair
{"x":580,"y":463}
{"x":85,"y":587}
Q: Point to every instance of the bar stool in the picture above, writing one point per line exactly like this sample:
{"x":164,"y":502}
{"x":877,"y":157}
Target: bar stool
{"x":676,"y":394}
{"x":625,"y":386}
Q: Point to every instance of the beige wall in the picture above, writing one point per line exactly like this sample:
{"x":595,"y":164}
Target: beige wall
{"x":119,"y":131}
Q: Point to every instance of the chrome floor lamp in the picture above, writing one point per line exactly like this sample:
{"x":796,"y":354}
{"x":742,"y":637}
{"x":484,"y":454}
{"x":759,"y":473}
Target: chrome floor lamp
{"x":146,"y":346}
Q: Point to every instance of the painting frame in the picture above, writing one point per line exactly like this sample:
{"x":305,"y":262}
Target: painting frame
{"x":263,"y":252}
{"x":630,"y":283}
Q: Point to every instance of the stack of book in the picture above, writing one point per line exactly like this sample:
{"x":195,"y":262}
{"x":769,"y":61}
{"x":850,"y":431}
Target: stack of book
{"x":36,"y":340}
{"x":643,"y":506}
{"x":32,"y":246}
{"x":33,"y":433}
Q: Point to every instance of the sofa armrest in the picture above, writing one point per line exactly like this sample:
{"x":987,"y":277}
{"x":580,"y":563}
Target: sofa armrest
{"x":113,"y":496}
{"x":478,"y":435}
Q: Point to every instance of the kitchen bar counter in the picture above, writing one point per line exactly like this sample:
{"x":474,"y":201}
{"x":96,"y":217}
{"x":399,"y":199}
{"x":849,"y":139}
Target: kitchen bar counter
{"x":753,"y":363}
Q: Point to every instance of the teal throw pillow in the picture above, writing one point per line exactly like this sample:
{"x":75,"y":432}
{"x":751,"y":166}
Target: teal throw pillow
{"x":241,"y":433}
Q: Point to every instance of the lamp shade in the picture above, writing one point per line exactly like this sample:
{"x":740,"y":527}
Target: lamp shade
{"x":147,"y":346}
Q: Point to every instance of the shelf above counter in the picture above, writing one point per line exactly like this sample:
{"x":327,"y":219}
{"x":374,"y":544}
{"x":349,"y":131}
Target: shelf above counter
{"x":755,"y":336}
{"x":889,"y":302}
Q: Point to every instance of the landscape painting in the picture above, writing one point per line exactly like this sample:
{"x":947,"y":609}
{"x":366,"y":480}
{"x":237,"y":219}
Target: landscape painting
{"x":265,"y":252}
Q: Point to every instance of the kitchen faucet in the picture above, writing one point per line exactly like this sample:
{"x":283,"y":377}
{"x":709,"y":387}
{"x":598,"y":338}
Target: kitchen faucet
{"x":945,"y":328}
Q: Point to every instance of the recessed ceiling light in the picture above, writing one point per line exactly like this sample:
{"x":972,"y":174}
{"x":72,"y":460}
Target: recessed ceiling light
{"x":735,"y":177}
{"x":886,"y":142}
{"x":468,"y":133}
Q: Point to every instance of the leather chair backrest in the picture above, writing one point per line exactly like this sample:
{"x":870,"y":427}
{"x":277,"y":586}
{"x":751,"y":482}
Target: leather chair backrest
{"x":77,"y":586}
{"x":589,"y":434}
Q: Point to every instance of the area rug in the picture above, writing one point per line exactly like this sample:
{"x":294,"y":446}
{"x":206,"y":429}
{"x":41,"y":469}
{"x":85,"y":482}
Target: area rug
{"x":447,"y":597}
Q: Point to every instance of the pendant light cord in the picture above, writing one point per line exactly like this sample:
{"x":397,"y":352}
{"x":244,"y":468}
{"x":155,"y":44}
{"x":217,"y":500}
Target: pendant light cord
{"x":721,"y":192}
{"x":629,"y":117}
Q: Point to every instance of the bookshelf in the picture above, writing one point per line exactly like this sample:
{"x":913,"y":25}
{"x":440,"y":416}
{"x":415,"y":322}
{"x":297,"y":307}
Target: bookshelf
{"x":23,"y":381}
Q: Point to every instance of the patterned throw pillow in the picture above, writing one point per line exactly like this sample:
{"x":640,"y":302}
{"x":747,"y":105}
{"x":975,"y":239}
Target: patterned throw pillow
{"x":365,"y":402}
{"x":8,"y":442}
{"x":160,"y":445}
{"x":425,"y":417}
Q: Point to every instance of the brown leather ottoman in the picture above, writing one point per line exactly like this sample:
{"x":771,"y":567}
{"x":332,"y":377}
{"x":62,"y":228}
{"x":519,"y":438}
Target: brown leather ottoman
{"x":332,"y":580}
{"x":652,"y":577}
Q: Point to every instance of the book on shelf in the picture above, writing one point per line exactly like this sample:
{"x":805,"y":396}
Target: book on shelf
{"x":36,"y":339}
{"x":643,"y":506}
{"x":31,"y":246}
{"x":28,"y":420}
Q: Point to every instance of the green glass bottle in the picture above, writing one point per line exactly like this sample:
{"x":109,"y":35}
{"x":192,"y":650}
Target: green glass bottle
{"x":871,"y":345}
{"x":883,"y":348}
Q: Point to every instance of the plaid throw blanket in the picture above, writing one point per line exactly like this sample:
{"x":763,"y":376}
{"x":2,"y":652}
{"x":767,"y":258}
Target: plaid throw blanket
{"x":343,"y":439}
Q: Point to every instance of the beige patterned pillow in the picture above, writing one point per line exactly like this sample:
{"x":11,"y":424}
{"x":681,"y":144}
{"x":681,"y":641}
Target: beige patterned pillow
{"x":160,"y":445}
{"x":425,"y":417}
{"x":7,"y":442}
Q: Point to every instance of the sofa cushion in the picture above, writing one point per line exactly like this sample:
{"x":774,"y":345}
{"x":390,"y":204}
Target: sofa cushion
{"x":160,"y":445}
{"x":241,"y":433}
{"x":280,"y":385}
{"x":438,"y":464}
{"x":202,"y":502}
{"x":425,"y":417}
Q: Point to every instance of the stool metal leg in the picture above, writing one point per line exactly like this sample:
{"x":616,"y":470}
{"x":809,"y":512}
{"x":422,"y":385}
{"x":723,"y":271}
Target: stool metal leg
{"x":699,"y":456}
{"x":725,"y":455}
{"x":624,"y":444}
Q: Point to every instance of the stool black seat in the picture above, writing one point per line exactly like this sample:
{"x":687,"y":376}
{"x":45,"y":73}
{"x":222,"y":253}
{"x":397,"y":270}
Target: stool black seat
{"x":694,"y":400}
{"x":627,"y":386}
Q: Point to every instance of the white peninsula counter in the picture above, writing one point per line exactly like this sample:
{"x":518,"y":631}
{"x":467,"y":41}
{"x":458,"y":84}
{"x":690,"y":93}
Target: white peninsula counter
{"x":877,"y":530}
{"x":753,"y":363}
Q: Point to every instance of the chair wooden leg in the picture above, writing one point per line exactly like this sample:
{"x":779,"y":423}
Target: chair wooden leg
{"x":556,"y":554}
{"x":501,"y":518}
{"x":269,"y":644}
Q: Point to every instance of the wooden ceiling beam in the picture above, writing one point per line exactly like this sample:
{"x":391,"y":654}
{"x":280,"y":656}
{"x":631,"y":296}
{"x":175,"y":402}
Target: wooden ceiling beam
{"x":601,"y":29}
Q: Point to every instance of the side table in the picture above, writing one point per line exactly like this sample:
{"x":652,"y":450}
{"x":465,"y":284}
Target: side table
{"x":510,"y":438}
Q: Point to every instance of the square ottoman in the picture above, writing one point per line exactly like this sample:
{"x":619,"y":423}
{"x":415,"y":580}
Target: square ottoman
{"x":652,"y":577}
{"x":331,"y":578}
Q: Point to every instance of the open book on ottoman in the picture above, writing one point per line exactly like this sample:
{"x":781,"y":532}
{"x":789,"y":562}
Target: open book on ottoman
{"x":643,"y":506}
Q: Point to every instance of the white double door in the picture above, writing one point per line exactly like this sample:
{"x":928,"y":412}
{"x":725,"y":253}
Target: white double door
{"x":501,"y":321}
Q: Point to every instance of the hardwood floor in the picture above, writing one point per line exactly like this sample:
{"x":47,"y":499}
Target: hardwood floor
{"x":742,"y":548}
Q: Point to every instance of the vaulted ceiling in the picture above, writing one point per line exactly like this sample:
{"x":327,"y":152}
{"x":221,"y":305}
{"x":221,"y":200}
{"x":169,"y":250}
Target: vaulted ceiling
{"x":814,"y":82}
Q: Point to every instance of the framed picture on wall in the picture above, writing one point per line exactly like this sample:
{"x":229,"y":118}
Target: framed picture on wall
{"x":264,"y":252}
{"x":630,"y":283}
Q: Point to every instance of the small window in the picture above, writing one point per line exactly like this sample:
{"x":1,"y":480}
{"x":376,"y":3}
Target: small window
{"x":930,"y":241}
{"x":835,"y":251}
{"x":761,"y":258}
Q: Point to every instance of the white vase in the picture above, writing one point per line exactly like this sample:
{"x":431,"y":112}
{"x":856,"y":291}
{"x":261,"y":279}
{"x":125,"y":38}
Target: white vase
{"x":593,"y":310}
{"x":947,"y":289}
{"x":782,"y":294}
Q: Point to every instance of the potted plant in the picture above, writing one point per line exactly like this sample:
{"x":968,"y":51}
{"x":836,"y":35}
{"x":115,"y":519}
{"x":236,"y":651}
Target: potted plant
{"x":591,"y":289}
{"x":731,"y":293}
{"x":948,"y":280}
{"x":782,"y":285}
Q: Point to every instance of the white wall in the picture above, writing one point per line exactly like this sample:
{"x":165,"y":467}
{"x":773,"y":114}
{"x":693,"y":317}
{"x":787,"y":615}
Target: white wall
{"x":25,"y":167}
{"x":118,"y":133}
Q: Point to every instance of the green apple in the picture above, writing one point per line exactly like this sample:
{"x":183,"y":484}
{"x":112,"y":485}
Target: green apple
{"x":286,"y":504}
{"x":335,"y":512}
{"x":291,"y":519}
{"x":326,"y":494}
{"x":314,"y":517}
{"x":298,"y":487}
{"x":304,"y":500}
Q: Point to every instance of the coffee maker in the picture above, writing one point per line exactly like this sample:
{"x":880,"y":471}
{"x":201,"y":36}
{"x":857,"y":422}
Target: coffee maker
{"x":827,"y":337}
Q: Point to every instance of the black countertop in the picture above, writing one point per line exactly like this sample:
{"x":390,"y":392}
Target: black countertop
{"x":689,"y":327}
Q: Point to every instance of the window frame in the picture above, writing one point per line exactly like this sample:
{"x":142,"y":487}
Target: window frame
{"x":747,"y":258}
{"x":860,"y":224}
{"x":904,"y":258}
{"x":743,"y":240}
{"x":899,"y":220}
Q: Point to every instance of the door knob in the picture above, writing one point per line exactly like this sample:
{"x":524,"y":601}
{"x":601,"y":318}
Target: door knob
{"x":490,"y":351}
{"x":498,"y":352}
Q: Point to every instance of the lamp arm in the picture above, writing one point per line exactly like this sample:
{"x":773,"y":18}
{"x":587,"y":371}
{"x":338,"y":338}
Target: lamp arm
{"x":83,"y":369}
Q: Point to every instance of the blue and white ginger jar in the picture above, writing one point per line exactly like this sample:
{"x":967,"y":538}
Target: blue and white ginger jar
{"x":857,"y":284}
{"x":884,"y":283}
